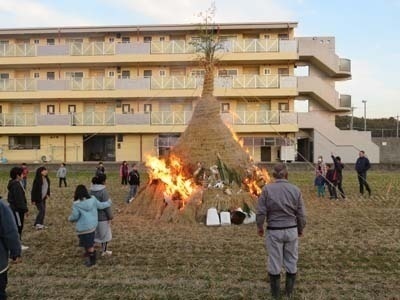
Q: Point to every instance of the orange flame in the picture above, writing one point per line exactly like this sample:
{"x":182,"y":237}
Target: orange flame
{"x":257,"y":179}
{"x":176,"y":184}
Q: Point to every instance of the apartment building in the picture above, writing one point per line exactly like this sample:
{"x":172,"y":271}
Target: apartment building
{"x":119,"y":93}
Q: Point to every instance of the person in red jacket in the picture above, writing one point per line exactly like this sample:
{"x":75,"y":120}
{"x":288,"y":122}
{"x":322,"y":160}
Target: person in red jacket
{"x":124,"y":172}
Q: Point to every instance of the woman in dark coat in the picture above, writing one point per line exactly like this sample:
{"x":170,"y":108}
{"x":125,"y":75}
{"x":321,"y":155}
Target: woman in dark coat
{"x":40,"y":193}
{"x":17,"y":199}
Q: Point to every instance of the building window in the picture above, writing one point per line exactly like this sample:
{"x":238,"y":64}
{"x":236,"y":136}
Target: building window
{"x":71,"y":109}
{"x":111,"y":40}
{"x":126,"y":74}
{"x":4,"y":76}
{"x":269,"y":141}
{"x":23,"y":142}
{"x":283,"y":106}
{"x":227,"y":73}
{"x":126,"y":39}
{"x":227,"y":38}
{"x":51,"y":75}
{"x":36,"y":75}
{"x":283,"y":36}
{"x":4,"y":42}
{"x":147,"y":108}
{"x":225,"y":107}
{"x":51,"y":42}
{"x":283,"y":71}
{"x":147,"y":39}
{"x":51,"y":109}
{"x":126,"y":108}
{"x":74,"y":41}
{"x":1,"y":109}
{"x":266,"y":36}
{"x":111,"y":73}
{"x":36,"y":41}
{"x":72,"y":75}
{"x":267,"y":71}
{"x":162,"y":38}
{"x":162,"y":73}
{"x":147,"y":73}
{"x":196,"y":39}
{"x":197,"y":73}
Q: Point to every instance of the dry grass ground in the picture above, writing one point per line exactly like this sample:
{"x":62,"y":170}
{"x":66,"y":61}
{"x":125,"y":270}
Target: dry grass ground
{"x":350,"y":250}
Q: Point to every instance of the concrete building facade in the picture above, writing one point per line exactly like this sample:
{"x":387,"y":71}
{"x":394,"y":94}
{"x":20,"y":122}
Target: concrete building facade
{"x":117,"y":93}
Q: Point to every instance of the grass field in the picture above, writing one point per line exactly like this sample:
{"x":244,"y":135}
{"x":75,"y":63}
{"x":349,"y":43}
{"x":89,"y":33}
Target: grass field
{"x":350,"y":250}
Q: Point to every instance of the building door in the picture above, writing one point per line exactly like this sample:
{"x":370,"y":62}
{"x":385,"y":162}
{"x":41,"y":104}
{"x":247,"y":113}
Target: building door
{"x":265,"y":153}
{"x":303,"y":150}
{"x":98,"y":147}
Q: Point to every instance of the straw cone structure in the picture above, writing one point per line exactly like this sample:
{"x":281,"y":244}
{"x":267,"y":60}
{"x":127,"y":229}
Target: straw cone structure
{"x":206,"y":140}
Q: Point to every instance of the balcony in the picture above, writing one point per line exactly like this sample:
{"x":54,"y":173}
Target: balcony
{"x":177,"y":85}
{"x":152,"y":118}
{"x":154,"y":47}
{"x":321,"y":52}
{"x":323,"y":93}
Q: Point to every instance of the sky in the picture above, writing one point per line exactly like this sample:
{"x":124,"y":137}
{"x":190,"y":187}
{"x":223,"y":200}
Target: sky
{"x":366,"y":31}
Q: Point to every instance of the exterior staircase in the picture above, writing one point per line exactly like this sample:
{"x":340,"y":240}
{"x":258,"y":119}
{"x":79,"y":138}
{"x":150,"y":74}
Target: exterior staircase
{"x":330,"y":139}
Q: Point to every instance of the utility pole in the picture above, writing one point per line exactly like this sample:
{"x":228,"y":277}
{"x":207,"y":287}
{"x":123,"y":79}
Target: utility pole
{"x":352,"y":117}
{"x":365,"y":114}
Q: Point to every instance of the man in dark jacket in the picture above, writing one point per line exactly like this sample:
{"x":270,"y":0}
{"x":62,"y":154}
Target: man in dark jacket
{"x":362,"y":166}
{"x":10,"y":246}
{"x":17,"y":199}
{"x":281,"y":204}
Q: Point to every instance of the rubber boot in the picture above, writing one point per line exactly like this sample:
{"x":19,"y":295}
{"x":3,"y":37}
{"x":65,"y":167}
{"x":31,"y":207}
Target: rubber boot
{"x":289,"y":286}
{"x":91,"y":259}
{"x":275,"y":285}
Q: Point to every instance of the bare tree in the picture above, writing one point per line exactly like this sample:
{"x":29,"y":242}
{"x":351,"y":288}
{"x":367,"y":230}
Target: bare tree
{"x":207,"y":45}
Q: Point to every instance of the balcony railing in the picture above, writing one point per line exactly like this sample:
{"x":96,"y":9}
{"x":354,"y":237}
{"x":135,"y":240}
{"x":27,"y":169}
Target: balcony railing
{"x":147,"y":83}
{"x":154,"y":47}
{"x":17,"y":85}
{"x":18,"y":50}
{"x":174,"y":83}
{"x":170,"y":117}
{"x":94,"y":48}
{"x":253,"y":45}
{"x":152,"y":118}
{"x":18,"y":119}
{"x":93,"y":118}
{"x":251,"y":117}
{"x":171,"y":47}
{"x":344,"y":65}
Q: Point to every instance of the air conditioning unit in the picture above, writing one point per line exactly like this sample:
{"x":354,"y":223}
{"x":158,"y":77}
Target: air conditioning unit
{"x":46,"y":158}
{"x":288,"y":153}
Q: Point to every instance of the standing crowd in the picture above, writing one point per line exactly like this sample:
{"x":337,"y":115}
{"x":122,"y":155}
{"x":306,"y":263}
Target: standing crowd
{"x":330,"y":175}
{"x":280,"y":206}
{"x":91,"y":212}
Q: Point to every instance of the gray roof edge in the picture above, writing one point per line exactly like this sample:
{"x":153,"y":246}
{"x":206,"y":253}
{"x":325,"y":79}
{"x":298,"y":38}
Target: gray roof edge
{"x":146,"y":28}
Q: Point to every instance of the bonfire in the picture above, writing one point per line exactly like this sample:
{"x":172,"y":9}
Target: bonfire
{"x":208,"y":167}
